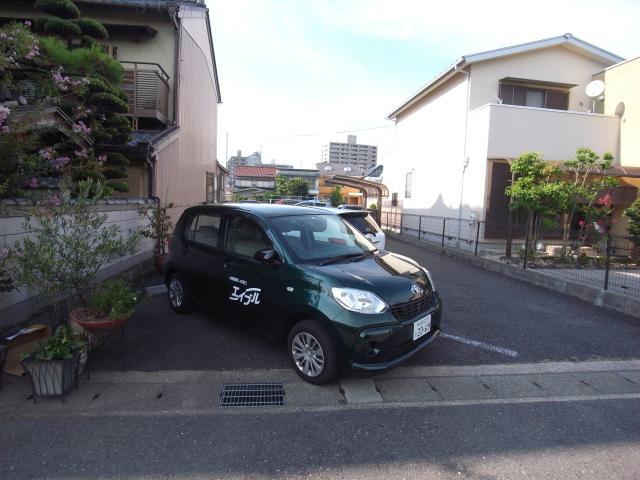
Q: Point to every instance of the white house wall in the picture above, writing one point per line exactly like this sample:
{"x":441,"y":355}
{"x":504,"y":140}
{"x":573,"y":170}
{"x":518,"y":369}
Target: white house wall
{"x":430,"y":142}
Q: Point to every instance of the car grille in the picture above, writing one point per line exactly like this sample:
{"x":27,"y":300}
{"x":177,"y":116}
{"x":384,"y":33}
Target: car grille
{"x":405,"y":311}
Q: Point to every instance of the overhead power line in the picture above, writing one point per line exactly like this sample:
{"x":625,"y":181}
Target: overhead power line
{"x":326,"y":133}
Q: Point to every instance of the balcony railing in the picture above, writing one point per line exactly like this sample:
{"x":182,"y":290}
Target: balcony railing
{"x":147,"y":86}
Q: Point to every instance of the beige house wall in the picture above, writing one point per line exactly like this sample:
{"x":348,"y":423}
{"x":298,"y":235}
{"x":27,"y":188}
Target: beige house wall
{"x":622,"y":97}
{"x":186,"y":157}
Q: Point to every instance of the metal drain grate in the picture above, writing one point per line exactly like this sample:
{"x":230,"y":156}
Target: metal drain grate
{"x":252,"y":395}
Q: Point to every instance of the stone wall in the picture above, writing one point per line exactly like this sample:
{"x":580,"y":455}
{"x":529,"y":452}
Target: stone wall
{"x":19,"y":305}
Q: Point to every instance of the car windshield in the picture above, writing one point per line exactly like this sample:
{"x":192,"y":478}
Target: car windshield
{"x":320,"y":237}
{"x":364,"y":223}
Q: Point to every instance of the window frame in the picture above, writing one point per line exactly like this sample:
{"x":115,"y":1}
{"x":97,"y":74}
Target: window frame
{"x":228,"y":218}
{"x":408,"y":184}
{"x":195,"y":217}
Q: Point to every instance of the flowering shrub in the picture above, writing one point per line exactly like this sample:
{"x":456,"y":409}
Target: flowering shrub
{"x":17,"y":45}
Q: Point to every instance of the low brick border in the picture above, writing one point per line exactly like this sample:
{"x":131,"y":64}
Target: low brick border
{"x":596,"y":296}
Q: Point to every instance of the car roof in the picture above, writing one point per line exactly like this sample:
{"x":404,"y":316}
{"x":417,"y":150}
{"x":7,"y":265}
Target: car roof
{"x":343,"y":211}
{"x":259,"y":209}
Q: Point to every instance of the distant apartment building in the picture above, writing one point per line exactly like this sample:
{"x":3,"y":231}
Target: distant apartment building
{"x":359,"y":158}
{"x":170,"y":76}
{"x":237,"y":160}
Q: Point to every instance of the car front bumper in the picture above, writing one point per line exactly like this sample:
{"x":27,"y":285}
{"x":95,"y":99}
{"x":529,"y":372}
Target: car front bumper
{"x":381,"y":348}
{"x":389,"y":364}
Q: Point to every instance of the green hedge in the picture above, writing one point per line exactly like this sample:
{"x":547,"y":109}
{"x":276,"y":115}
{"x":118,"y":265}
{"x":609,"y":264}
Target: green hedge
{"x":92,"y":28}
{"x":118,"y":186}
{"x":115,"y":172}
{"x":101,"y":136}
{"x":59,"y":8}
{"x":122,"y":124}
{"x":82,"y":61}
{"x":117,"y":159}
{"x":109,"y":102}
{"x":58,"y":26}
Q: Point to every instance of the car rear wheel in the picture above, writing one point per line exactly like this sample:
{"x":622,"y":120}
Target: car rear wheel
{"x":179,"y":294}
{"x":312,"y":352}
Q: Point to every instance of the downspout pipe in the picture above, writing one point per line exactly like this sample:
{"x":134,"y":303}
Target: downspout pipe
{"x":176,"y":64}
{"x":465,"y":160}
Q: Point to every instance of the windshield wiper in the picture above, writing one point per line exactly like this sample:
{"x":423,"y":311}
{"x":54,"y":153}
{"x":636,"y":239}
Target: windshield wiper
{"x":354,"y":256}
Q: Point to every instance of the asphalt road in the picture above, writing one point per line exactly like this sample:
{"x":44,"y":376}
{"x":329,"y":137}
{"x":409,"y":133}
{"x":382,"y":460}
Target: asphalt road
{"x":579,"y":440}
{"x":513,"y":320}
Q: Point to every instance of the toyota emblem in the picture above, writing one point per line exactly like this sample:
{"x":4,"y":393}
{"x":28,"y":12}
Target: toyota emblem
{"x":416,"y":290}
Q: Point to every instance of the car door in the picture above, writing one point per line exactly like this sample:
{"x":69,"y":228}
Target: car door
{"x":202,"y":251}
{"x":253,"y":289}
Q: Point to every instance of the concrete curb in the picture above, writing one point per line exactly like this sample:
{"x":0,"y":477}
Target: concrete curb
{"x":596,"y":296}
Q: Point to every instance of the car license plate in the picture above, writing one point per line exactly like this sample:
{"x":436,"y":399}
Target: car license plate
{"x":421,"y":327}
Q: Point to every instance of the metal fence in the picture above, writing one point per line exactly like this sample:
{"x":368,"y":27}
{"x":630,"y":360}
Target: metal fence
{"x":609,"y":262}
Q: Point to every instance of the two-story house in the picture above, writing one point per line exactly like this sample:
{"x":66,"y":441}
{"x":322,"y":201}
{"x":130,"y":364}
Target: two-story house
{"x":170,"y":76}
{"x":456,"y":136}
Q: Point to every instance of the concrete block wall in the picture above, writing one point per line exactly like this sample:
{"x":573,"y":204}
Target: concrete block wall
{"x":18,"y":305}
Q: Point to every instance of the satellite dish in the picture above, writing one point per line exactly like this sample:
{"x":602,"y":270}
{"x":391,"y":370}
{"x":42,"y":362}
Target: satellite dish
{"x":595,"y":88}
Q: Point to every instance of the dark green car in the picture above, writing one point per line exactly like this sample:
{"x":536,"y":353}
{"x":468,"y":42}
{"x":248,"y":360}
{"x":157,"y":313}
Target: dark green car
{"x":307,"y":278}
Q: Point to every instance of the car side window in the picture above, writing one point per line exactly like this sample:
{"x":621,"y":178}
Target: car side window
{"x":204,"y":229}
{"x":246,"y":237}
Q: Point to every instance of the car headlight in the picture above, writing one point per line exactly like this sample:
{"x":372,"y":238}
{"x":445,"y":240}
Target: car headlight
{"x":360,"y":301}
{"x":428,"y":274}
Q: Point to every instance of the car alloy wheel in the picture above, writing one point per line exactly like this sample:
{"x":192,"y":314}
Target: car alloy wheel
{"x":176,"y":293}
{"x":307,"y":354}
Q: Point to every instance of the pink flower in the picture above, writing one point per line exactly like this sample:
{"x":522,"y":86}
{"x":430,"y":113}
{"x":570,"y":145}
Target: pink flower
{"x":4,"y":113}
{"x":47,"y":153}
{"x":581,"y":223}
{"x":4,"y":252}
{"x":33,"y":183}
{"x":5,"y":129}
{"x":60,"y":162}
{"x":81,"y":153}
{"x":81,"y":128}
{"x":27,"y":23}
{"x":102,"y":158}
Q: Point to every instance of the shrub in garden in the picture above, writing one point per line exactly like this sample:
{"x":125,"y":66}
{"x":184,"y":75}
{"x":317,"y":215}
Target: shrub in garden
{"x":91,"y":28}
{"x":69,"y":242}
{"x":58,"y":8}
{"x":122,"y":187}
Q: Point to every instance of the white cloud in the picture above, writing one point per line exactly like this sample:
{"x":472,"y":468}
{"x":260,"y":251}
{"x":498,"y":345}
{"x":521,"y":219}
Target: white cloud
{"x":282,"y":73}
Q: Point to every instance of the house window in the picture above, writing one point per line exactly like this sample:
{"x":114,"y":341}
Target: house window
{"x":534,"y":97}
{"x":407,"y":185}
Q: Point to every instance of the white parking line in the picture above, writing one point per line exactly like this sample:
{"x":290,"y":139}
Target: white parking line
{"x":476,"y":343}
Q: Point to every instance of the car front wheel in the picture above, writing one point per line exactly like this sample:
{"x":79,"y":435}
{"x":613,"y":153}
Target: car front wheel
{"x":179,"y":294}
{"x":312,"y":352}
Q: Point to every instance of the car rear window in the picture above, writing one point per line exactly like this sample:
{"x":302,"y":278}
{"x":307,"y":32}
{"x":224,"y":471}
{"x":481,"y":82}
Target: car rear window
{"x":364,"y":223}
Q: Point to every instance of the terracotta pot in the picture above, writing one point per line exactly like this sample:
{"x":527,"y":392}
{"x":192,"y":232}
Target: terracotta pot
{"x":93,"y":321}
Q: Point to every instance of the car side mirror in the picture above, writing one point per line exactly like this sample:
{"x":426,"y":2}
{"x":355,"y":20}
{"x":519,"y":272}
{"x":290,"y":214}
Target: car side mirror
{"x":268,"y":256}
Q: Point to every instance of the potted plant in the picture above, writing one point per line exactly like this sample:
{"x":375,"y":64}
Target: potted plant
{"x":53,"y":368}
{"x":109,"y":307}
{"x":159,"y":228}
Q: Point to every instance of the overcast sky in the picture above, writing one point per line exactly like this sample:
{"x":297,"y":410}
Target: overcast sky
{"x":295,"y":74}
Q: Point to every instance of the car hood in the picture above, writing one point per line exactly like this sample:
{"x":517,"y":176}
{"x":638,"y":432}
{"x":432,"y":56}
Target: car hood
{"x":388,"y":275}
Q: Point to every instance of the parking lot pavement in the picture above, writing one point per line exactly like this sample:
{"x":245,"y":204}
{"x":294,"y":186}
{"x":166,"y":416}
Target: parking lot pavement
{"x":488,"y":317}
{"x":157,"y":338}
